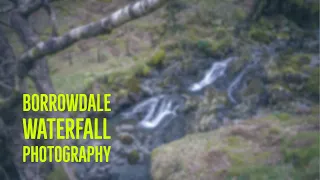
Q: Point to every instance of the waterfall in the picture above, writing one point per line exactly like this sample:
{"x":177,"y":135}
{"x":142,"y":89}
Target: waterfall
{"x":217,"y":70}
{"x":156,"y":110}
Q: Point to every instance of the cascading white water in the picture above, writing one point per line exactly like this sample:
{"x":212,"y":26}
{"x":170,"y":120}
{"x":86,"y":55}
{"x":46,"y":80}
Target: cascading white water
{"x":157,"y":109}
{"x":217,"y":70}
{"x":154,"y":118}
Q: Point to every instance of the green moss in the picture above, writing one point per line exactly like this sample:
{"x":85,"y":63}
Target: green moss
{"x":260,"y":35}
{"x":133,"y":157}
{"x":158,"y":57}
{"x":57,"y":173}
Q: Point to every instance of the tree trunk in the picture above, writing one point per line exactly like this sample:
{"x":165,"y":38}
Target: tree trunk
{"x":8,"y":169}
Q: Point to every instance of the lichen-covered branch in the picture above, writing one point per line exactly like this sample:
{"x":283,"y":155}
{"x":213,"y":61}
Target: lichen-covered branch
{"x":103,"y":26}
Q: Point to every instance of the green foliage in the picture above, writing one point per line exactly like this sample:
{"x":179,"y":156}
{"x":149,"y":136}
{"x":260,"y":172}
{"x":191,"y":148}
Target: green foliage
{"x":143,"y":70}
{"x":220,"y":47}
{"x":216,"y":47}
{"x":260,"y":35}
{"x":158,"y":57}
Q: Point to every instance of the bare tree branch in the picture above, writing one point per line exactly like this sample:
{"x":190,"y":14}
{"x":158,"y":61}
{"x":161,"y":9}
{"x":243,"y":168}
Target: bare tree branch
{"x":103,"y":26}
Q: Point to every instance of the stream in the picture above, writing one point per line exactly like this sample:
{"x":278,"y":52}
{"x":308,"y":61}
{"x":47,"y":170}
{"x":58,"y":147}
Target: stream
{"x":160,"y":119}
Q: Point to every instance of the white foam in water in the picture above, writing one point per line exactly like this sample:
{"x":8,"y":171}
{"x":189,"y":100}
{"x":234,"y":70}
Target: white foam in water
{"x":142,"y":106}
{"x":157,"y":110}
{"x":217,"y":70}
{"x":153,"y":119}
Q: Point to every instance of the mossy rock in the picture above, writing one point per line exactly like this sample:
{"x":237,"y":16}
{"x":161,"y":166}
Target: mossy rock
{"x":133,"y":157}
{"x":261,"y":148}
